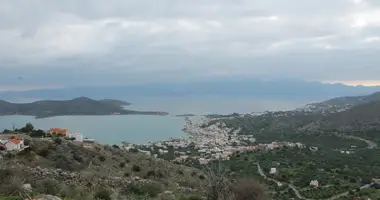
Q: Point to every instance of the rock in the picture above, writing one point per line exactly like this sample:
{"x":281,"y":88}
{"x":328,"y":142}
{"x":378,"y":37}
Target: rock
{"x":27,"y":187}
{"x":47,"y":197}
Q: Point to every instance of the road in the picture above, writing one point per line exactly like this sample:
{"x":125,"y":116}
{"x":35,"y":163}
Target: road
{"x":297,"y":192}
{"x":371,"y":145}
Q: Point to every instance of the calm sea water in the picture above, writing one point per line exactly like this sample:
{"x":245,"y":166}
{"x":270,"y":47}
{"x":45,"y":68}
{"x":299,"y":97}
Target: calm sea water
{"x":142,"y":129}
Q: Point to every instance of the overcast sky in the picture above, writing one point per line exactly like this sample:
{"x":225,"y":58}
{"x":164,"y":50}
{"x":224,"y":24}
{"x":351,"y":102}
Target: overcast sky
{"x":56,"y":43}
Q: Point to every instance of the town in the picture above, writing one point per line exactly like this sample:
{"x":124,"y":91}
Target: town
{"x":205,"y":143}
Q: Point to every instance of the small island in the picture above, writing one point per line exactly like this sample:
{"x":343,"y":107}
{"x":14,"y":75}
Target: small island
{"x":76,"y":106}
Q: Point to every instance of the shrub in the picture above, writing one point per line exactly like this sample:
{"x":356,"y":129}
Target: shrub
{"x":136,"y":168}
{"x":44,"y":152}
{"x":102,"y":158}
{"x":202,"y":177}
{"x":126,"y":174}
{"x":150,"y":189}
{"x":58,"y":140}
{"x":77,"y":157}
{"x":133,"y":150}
{"x":103,"y":193}
{"x":249,"y":190}
{"x":151,"y":173}
{"x":193,"y":173}
{"x":180,"y":172}
{"x":48,"y":186}
{"x":115,"y":146}
{"x":11,"y":185}
{"x":122,"y":165}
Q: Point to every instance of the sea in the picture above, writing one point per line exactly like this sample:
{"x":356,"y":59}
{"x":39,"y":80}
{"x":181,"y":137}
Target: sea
{"x":141,"y":129}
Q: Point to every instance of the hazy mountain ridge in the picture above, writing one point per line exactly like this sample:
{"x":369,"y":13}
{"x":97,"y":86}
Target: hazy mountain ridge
{"x":274,"y":89}
{"x":76,"y":106}
{"x":344,"y":102}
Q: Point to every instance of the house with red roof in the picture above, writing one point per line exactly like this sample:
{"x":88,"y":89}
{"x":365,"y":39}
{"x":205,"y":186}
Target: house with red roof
{"x":12,"y":144}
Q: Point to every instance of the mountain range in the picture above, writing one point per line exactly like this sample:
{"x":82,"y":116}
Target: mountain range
{"x":281,"y":89}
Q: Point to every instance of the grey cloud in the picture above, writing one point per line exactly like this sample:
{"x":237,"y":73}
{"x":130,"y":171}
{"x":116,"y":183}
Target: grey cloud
{"x":123,"y":41}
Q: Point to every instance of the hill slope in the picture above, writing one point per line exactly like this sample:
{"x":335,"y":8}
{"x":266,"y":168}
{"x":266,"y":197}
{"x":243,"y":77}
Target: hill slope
{"x":67,"y":169}
{"x":77,"y":106}
{"x":344,"y":102}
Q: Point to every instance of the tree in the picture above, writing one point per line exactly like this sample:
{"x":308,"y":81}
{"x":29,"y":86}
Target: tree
{"x":28,"y":128}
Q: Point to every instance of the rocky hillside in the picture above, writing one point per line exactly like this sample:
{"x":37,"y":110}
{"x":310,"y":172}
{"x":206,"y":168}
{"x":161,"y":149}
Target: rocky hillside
{"x":66,"y":169}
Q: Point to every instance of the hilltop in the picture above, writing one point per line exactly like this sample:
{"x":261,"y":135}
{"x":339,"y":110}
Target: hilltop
{"x":76,"y":106}
{"x":342,"y":103}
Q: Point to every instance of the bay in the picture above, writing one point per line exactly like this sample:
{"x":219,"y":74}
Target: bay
{"x":141,"y":128}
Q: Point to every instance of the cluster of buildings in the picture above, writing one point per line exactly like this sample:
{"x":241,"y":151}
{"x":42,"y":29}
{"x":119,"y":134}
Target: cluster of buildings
{"x":206,"y":143}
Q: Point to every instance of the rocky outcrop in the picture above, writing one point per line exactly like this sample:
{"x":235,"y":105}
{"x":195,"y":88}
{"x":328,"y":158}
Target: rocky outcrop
{"x":39,"y":173}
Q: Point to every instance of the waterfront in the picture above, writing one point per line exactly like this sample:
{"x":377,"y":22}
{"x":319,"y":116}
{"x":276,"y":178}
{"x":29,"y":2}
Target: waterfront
{"x":107,"y":129}
{"x":142,"y":129}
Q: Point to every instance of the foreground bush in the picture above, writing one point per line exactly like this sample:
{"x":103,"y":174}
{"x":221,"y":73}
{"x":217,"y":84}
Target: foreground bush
{"x":248,"y":190}
{"x":150,"y":189}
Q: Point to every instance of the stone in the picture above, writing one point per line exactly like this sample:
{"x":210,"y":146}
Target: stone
{"x":27,"y":187}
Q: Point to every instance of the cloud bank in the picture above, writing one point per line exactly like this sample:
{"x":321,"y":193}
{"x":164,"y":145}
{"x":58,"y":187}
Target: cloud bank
{"x":52,"y":43}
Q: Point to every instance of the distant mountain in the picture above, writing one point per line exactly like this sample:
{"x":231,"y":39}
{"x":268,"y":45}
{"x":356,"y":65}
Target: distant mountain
{"x":76,"y":106}
{"x":345,"y":102}
{"x":359,"y":117}
{"x":287,"y":89}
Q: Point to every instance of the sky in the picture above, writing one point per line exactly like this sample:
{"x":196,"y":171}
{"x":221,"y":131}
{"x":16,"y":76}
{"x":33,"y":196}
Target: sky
{"x":55,"y":43}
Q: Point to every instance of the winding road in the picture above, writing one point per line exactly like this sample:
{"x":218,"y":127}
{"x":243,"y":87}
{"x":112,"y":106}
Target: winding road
{"x":297,"y":192}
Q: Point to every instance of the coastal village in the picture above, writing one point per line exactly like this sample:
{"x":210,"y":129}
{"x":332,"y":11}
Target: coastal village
{"x":205,"y":143}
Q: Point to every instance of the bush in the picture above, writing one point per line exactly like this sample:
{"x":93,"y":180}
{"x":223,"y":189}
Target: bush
{"x":133,"y":150}
{"x":249,"y":190}
{"x":122,"y":165}
{"x":44,"y":152}
{"x":180,"y":172}
{"x":126,"y":174}
{"x":102,"y":158}
{"x":151,"y":173}
{"x":48,"y":186}
{"x":58,"y":140}
{"x":193,"y":173}
{"x":150,"y":189}
{"x":115,"y":146}
{"x":11,"y":185}
{"x":136,"y":168}
{"x":103,"y":193}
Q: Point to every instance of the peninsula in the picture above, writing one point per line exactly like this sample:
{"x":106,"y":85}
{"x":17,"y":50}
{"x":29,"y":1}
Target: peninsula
{"x":76,"y":106}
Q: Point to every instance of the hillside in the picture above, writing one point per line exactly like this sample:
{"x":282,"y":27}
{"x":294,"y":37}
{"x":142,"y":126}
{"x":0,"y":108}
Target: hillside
{"x":344,"y":102}
{"x":67,"y":169}
{"x":361,"y":119}
{"x":77,"y":106}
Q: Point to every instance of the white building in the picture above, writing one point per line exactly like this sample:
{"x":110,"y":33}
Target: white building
{"x":314,"y":183}
{"x":13,"y":144}
{"x":78,"y":137}
{"x":273,"y":171}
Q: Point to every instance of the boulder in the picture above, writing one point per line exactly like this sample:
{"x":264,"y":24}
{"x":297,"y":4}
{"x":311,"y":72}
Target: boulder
{"x":27,"y":187}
